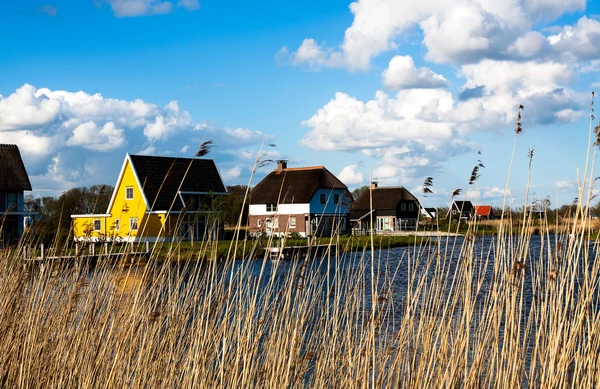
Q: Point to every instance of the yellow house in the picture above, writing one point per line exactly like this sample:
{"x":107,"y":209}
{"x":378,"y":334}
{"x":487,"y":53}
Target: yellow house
{"x":158,"y":199}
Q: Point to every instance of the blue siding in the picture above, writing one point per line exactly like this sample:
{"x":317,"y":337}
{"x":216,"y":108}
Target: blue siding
{"x":21,"y":201}
{"x":329,"y":207}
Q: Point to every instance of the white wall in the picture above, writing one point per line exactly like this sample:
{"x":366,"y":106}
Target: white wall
{"x":282,"y":209}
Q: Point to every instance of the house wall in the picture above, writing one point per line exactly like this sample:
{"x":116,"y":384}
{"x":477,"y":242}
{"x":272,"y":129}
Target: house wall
{"x":283,"y":223}
{"x":123,"y":210}
{"x":289,"y":209}
{"x":329,"y":207}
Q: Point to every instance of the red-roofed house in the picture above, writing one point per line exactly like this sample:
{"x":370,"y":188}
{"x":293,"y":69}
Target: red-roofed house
{"x":484,"y":212}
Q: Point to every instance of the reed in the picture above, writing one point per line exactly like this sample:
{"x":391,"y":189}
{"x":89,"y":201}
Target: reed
{"x":492,"y":313}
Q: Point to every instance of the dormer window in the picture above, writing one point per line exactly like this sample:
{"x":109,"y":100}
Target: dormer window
{"x":323,"y":198}
{"x":129,"y":193}
{"x":271,"y":207}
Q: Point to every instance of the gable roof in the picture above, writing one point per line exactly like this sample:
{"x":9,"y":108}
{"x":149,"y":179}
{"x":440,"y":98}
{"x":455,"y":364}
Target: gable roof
{"x":383,"y":198}
{"x":464,"y":206}
{"x":483,"y":210}
{"x":296,"y":185}
{"x":13,"y":176}
{"x":160,"y":178}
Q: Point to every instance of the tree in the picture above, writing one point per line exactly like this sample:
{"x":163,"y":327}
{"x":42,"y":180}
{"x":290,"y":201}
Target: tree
{"x":358,"y":191}
{"x":55,"y":213}
{"x":232,"y":205}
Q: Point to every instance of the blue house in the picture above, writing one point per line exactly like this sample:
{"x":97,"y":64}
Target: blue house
{"x":309,"y":201}
{"x":13,"y":182}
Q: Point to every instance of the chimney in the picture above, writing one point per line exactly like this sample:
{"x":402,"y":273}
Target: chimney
{"x":281,"y":165}
{"x":373,"y":184}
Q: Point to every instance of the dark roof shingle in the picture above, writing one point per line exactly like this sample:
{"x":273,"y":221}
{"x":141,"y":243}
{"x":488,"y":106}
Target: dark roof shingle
{"x":160,"y":178}
{"x":13,"y":176}
{"x":294,"y":185}
{"x":383,"y":198}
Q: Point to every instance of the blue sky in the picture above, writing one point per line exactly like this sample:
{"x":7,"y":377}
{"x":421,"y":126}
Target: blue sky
{"x":396,"y":90}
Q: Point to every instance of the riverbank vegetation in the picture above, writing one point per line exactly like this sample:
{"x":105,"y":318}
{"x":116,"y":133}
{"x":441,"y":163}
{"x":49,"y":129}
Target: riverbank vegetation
{"x":514,"y":310}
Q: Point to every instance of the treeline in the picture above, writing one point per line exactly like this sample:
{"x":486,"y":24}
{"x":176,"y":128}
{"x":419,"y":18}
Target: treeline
{"x":55,"y":212}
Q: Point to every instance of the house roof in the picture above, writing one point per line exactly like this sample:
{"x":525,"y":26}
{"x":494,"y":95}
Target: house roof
{"x":464,"y":206}
{"x":13,"y":176}
{"x":161,"y":177}
{"x":383,"y":198}
{"x":294,"y":185}
{"x":483,"y":210}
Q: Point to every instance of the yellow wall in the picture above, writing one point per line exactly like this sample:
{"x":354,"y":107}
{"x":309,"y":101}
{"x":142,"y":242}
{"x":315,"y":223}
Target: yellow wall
{"x":122,"y":209}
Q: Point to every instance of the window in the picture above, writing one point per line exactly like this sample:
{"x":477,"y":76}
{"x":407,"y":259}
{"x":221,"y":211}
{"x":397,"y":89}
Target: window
{"x":336,"y":199}
{"x":403,"y":207}
{"x":323,"y":198}
{"x":117,"y":224}
{"x":292,"y":222}
{"x":259,"y":223}
{"x":133,"y":224}
{"x":275,"y":223}
{"x":410,"y":206}
{"x":271,"y":207}
{"x":129,"y":193}
{"x":97,"y":225}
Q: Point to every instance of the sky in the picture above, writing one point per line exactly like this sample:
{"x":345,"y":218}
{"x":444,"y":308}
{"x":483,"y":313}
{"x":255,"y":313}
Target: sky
{"x":392,"y":91}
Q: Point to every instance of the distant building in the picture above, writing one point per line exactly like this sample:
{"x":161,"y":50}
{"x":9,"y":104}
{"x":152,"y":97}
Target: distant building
{"x":461,"y":209}
{"x":484,"y":212}
{"x":429,"y":214}
{"x":393,"y":209}
{"x":14,"y":181}
{"x":310,"y":201}
{"x":158,"y":199}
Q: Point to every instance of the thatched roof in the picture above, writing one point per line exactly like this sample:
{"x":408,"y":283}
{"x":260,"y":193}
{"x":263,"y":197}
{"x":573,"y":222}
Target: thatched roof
{"x":294,"y":185}
{"x":13,"y":176}
{"x":160,"y":178}
{"x":384,"y":198}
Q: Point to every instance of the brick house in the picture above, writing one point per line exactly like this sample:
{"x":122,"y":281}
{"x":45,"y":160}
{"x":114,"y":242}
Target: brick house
{"x":310,"y":201}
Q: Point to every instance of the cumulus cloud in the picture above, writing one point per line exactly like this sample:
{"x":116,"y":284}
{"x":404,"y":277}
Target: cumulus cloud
{"x":89,"y":136}
{"x":63,"y":118}
{"x":403,"y":74}
{"x":133,"y":8}
{"x":350,"y":176}
{"x":580,"y":41}
{"x":454,"y":31}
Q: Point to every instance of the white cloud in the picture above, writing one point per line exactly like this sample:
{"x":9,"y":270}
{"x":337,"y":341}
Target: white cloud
{"x":232,"y":173}
{"x":25,"y":109}
{"x":184,"y":149}
{"x":91,"y":121}
{"x":403,"y":74}
{"x":529,"y":45}
{"x":581,"y":41}
{"x":348,"y":123}
{"x":311,"y":54}
{"x":150,"y":150}
{"x":133,"y":8}
{"x":190,"y":5}
{"x":30,"y":144}
{"x":454,"y":31}
{"x":90,"y":136}
{"x":350,"y":176}
{"x":566,"y":186}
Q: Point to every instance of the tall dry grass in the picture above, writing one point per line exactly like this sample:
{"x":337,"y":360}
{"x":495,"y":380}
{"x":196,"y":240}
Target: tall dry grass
{"x":504,"y":312}
{"x":486,"y":316}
